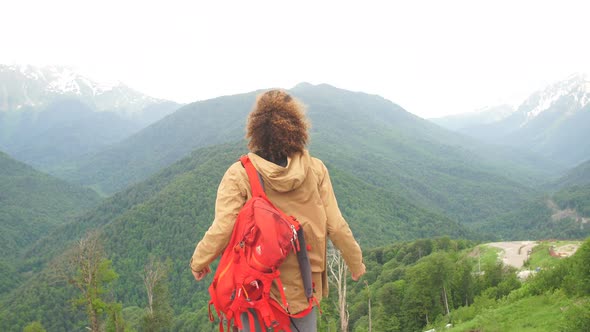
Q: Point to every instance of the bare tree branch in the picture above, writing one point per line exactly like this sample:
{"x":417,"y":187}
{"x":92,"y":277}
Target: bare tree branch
{"x":153,"y":272}
{"x":337,"y":269}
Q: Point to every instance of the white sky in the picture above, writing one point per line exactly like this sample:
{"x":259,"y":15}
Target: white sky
{"x":431,"y":57}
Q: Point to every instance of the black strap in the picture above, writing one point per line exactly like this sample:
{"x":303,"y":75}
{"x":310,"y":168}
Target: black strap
{"x":304,"y":264}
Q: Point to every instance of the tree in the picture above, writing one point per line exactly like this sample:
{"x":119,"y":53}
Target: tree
{"x":581,"y":269}
{"x":34,"y":327}
{"x":337,"y":268}
{"x":85,"y":267}
{"x":463,"y":284}
{"x":115,"y":323}
{"x":369,"y":306}
{"x":427,"y":293}
{"x":159,"y":313}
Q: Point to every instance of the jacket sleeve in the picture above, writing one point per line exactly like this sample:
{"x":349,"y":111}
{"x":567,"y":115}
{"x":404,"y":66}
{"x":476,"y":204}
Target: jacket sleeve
{"x":230,"y":199}
{"x":338,"y":230}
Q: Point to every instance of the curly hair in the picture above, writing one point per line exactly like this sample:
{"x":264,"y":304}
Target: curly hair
{"x":277,"y":126}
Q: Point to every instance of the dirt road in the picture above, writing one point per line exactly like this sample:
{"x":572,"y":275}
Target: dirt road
{"x":515,"y":252}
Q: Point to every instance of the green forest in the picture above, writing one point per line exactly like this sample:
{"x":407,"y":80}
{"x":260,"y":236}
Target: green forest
{"x":410,"y":286}
{"x":31,"y":205}
{"x":563,"y":214}
{"x":158,"y":222}
{"x":165,"y":216}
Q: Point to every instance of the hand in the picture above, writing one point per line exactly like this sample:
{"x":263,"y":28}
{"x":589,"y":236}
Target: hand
{"x":201,"y":274}
{"x":357,"y":276}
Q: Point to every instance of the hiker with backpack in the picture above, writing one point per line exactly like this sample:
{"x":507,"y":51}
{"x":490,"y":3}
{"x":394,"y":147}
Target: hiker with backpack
{"x":274,"y":213}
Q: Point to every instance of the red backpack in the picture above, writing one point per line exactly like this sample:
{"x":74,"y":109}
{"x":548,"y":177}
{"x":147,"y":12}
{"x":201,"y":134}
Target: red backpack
{"x":262,"y":238}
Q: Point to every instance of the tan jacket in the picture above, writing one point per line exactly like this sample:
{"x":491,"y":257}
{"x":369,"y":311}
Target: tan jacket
{"x":302,"y":189}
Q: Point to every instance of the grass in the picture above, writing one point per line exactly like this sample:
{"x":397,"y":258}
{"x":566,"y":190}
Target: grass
{"x":487,"y":255}
{"x":537,"y":313}
{"x":540,"y":256}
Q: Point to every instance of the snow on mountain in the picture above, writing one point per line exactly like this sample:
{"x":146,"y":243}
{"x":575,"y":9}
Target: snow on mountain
{"x":577,"y":87}
{"x":26,"y":85}
{"x":62,"y":80}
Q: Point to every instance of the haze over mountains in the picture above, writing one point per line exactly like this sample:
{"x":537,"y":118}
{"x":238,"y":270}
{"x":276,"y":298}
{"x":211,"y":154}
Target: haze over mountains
{"x":482,"y":116}
{"x":50,"y":116}
{"x":554,"y":122}
{"x":397,"y":177}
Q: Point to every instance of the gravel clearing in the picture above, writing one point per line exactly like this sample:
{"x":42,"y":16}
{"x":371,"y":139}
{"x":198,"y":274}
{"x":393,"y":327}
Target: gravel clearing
{"x":514,"y":253}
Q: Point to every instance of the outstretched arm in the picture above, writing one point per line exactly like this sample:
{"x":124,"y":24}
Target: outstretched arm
{"x":230,"y":199}
{"x":338,"y":229}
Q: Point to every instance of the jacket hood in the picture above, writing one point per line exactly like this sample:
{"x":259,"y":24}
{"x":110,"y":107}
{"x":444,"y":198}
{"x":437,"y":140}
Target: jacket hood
{"x":283,"y":179}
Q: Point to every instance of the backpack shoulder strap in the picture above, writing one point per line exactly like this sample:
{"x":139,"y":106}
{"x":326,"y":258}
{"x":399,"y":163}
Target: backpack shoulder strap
{"x":253,"y":176}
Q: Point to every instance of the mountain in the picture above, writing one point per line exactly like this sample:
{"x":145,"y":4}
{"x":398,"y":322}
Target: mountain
{"x":574,"y":203}
{"x":564,"y":214}
{"x":553,"y":122}
{"x":61,"y":132}
{"x":165,"y":216}
{"x":31,"y":205}
{"x":579,"y":175}
{"x":134,"y":159}
{"x":50,"y":116}
{"x":366,"y":135}
{"x":483,"y":116}
{"x":25,"y":86}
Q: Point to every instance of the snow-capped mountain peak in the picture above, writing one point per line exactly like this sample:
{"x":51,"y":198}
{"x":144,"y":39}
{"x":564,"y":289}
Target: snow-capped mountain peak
{"x":576,"y":88}
{"x":26,"y":85}
{"x":64,"y":80}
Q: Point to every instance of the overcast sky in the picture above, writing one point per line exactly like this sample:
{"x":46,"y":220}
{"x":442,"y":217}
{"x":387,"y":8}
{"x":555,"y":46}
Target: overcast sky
{"x":431,"y":57}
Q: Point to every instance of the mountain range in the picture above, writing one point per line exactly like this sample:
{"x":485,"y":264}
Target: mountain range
{"x":51,"y":116}
{"x":366,"y":135}
{"x":579,"y":175}
{"x":25,"y":86}
{"x":553,"y":122}
{"x":397,"y":177}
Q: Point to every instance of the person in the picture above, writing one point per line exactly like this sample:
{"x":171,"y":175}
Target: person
{"x":298,"y":184}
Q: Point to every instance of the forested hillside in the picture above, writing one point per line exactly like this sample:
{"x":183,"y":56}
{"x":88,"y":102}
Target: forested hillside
{"x":60,"y":133}
{"x":575,"y":199}
{"x":165,"y":217}
{"x":200,"y":124}
{"x":579,"y":175}
{"x":365,"y":135}
{"x":563,"y":215}
{"x":31,"y":205}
